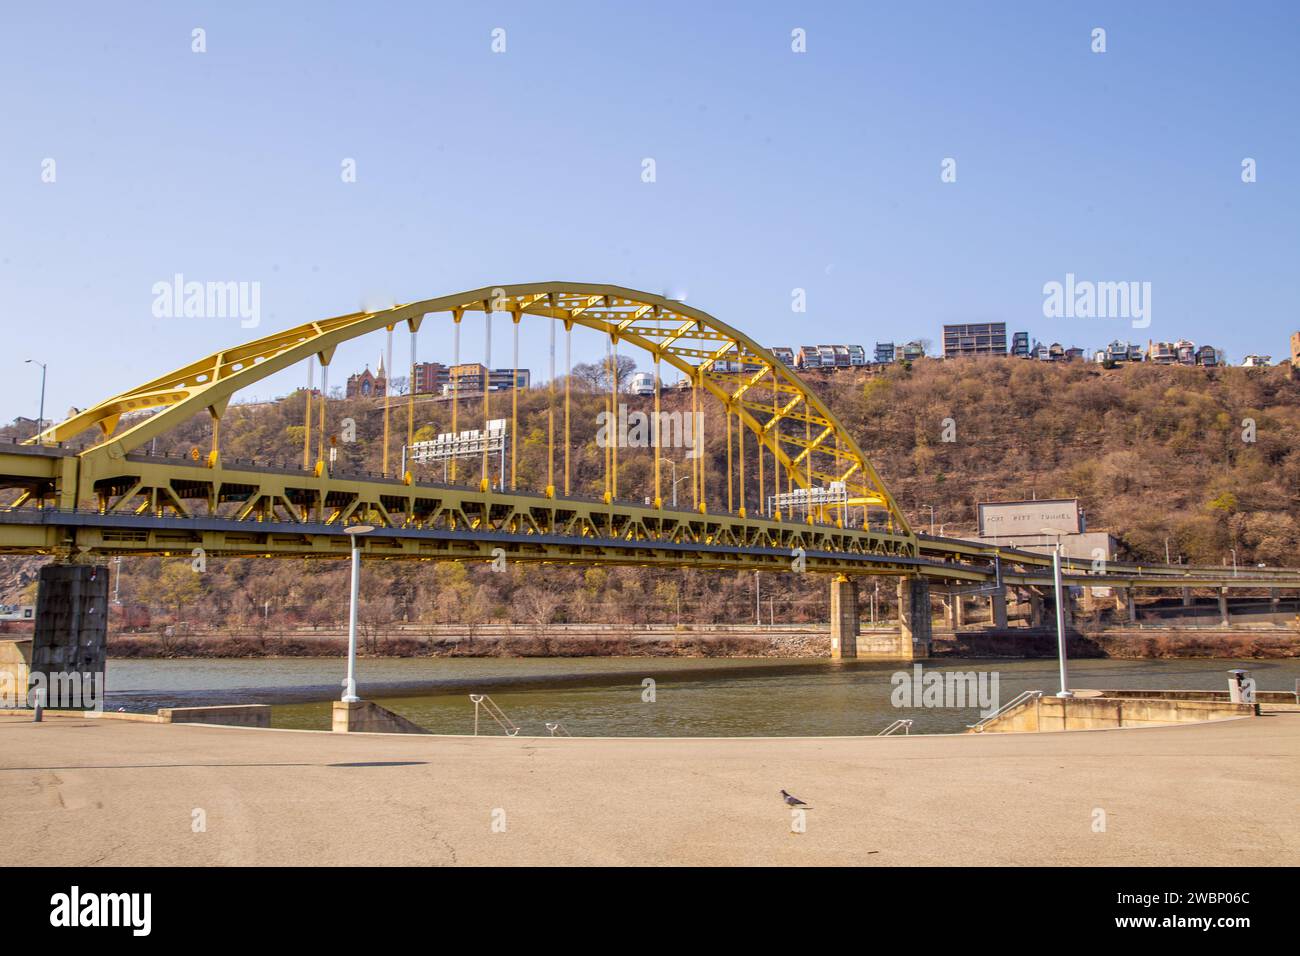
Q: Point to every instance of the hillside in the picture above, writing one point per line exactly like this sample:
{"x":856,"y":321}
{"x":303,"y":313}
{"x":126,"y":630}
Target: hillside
{"x":1153,"y":453}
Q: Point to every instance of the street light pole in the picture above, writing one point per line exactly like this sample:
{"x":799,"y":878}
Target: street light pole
{"x":1060,"y":614}
{"x":673,"y":465}
{"x":40,"y":420}
{"x":1060,"y":620}
{"x":350,"y":686}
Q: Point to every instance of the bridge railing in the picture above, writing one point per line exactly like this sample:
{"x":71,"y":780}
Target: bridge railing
{"x":903,"y":724}
{"x":489,"y":706}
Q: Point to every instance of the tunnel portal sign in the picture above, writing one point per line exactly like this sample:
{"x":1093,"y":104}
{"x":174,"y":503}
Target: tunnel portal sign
{"x":1008,"y":519}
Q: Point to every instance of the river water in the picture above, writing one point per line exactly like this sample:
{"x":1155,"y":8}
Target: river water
{"x":602,"y":696}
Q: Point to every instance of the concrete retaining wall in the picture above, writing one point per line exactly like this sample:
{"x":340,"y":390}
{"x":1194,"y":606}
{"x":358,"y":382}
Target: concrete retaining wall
{"x":1262,"y":696}
{"x":367,"y":717}
{"x":233,"y":715}
{"x":1047,"y":714}
{"x":15,"y":670}
{"x":888,"y":645}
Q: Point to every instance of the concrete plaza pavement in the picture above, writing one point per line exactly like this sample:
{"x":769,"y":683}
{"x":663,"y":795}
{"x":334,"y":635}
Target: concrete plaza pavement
{"x":81,"y":791}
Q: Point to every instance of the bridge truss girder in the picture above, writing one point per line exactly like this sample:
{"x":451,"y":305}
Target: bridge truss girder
{"x":796,"y":429}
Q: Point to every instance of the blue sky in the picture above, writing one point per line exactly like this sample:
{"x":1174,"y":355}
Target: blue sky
{"x":775,"y":170}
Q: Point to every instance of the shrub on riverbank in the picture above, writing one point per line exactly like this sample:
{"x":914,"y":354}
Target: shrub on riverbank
{"x":1189,"y":643}
{"x":143,"y":646}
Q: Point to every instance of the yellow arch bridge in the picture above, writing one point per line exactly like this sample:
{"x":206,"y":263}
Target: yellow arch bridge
{"x":108,"y":496}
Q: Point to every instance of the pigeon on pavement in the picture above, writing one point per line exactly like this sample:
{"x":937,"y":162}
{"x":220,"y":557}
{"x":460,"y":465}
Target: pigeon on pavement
{"x":792,"y":800}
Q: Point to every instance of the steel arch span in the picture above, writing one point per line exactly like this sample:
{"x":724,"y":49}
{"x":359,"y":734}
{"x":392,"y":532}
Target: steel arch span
{"x":769,"y":400}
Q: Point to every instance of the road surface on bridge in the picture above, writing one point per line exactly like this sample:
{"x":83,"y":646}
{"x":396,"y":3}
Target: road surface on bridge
{"x":77,"y":791}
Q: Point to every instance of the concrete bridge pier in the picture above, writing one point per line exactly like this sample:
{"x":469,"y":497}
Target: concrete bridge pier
{"x":1274,"y":599}
{"x":914,"y":627}
{"x":1223,"y":607}
{"x":954,"y":609}
{"x":1187,"y":597}
{"x":998,"y":608}
{"x":70,"y":636}
{"x":1042,"y":608}
{"x":1035,"y":608}
{"x":910,"y":641}
{"x":845,"y":619}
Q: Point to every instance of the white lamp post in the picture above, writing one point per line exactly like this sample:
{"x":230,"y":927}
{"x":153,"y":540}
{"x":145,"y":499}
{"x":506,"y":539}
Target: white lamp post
{"x":675,"y":479}
{"x":40,"y":416}
{"x":350,"y":688}
{"x":1060,"y":612}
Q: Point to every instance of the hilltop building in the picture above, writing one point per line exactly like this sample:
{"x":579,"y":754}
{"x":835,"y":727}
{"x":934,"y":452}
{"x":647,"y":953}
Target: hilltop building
{"x":642,"y":383}
{"x":974,"y":338}
{"x":1056,"y":352}
{"x":1119,"y":353}
{"x":428,"y":378}
{"x":830,"y":357}
{"x":368,"y":384}
{"x":469,"y":377}
{"x":1183,"y":352}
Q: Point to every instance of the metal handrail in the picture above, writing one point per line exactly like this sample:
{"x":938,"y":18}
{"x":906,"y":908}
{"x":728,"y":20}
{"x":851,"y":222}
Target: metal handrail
{"x":493,"y":711}
{"x":978,"y":727}
{"x":557,"y":729}
{"x":903,"y":724}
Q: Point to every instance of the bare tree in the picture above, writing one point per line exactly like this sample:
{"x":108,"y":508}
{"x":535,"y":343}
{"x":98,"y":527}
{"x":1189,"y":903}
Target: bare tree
{"x":538,"y":602}
{"x":374,"y":617}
